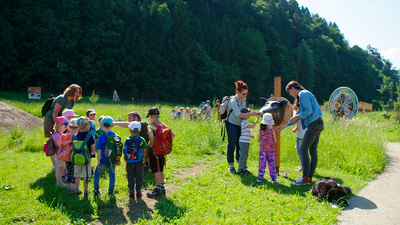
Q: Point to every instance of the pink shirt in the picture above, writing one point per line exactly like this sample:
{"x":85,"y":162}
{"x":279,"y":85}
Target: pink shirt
{"x":267,"y":140}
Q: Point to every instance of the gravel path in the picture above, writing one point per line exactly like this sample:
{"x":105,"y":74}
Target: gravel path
{"x":379,"y":201}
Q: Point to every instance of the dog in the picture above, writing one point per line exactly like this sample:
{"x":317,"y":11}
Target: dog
{"x":329,"y":189}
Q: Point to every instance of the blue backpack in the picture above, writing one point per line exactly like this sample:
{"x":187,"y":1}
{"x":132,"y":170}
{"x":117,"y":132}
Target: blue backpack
{"x":133,"y":150}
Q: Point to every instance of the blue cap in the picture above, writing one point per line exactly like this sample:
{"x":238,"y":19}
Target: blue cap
{"x":107,"y":120}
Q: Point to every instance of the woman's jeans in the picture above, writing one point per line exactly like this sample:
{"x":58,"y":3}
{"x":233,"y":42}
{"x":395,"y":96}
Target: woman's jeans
{"x":111,"y":173}
{"x":309,"y":145}
{"x":233,"y":132}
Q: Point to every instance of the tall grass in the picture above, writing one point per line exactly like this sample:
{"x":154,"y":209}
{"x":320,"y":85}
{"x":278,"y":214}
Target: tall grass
{"x":350,"y":150}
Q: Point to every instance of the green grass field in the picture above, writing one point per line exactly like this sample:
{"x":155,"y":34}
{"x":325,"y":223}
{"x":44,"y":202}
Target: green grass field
{"x":350,"y":150}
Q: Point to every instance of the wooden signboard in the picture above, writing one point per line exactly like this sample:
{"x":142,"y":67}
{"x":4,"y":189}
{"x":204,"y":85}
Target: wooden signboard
{"x":34,"y":92}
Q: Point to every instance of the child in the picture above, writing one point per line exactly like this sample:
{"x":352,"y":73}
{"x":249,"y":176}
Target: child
{"x":102,"y":162}
{"x":244,"y":142}
{"x":85,"y":170}
{"x":134,"y":159}
{"x":91,"y":114}
{"x":156,"y":162}
{"x":299,"y":136}
{"x":187,"y":113}
{"x":267,"y":148}
{"x":72,"y":129}
{"x":99,"y":130}
{"x":60,"y":127}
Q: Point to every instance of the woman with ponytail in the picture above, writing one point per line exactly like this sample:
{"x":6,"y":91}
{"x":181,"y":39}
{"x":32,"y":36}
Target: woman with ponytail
{"x":233,"y":121}
{"x":310,"y":116}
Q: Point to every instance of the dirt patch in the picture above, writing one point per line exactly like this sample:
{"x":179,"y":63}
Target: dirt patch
{"x":11,"y":117}
{"x":144,"y":206}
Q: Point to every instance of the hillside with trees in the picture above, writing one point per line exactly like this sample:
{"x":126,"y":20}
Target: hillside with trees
{"x":183,"y":51}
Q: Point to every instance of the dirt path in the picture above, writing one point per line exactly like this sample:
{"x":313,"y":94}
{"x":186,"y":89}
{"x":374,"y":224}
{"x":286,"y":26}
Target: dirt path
{"x":379,"y":201}
{"x":144,"y":206}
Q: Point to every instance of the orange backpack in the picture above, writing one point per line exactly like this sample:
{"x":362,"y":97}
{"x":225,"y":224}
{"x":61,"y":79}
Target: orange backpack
{"x":164,"y":139}
{"x":64,"y":153}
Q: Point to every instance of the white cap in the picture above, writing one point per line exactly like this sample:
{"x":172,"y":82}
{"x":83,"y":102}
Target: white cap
{"x":267,"y":119}
{"x":73,"y":122}
{"x":135,"y":126}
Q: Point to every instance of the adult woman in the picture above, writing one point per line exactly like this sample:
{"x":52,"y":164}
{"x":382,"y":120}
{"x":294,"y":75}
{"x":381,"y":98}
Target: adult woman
{"x":233,"y":121}
{"x":66,"y":100}
{"x":310,"y":116}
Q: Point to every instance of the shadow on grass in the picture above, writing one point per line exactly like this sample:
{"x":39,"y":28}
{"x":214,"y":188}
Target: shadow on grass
{"x":168,"y":210}
{"x":75,"y":206}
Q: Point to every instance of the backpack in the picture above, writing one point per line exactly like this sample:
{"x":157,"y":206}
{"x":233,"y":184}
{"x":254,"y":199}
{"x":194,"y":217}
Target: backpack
{"x":80,"y":150}
{"x":223,"y":108}
{"x":47,"y":105}
{"x":164,"y":139}
{"x":133,"y":150}
{"x":114,"y":148}
{"x":64,"y":153}
{"x":50,"y":148}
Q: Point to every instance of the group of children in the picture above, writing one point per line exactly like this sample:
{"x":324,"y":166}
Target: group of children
{"x":267,"y":139}
{"x":135,"y":148}
{"x":192,"y":114}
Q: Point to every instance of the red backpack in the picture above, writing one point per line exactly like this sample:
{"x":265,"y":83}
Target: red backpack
{"x":164,"y":139}
{"x":64,"y":153}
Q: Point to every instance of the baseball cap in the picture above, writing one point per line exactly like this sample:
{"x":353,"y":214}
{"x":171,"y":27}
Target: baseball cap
{"x":69,"y":112}
{"x":107,"y":120}
{"x":73,"y":122}
{"x":82,"y":121}
{"x":90,"y":111}
{"x":135,"y":126}
{"x":62,"y":120}
{"x":153,"y":111}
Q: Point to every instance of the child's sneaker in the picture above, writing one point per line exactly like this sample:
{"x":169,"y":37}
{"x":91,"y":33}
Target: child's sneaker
{"x":111,"y":193}
{"x":246,"y":172}
{"x":272,"y":180}
{"x":139,"y":194}
{"x":131,"y":194}
{"x":163,"y":190}
{"x":78,"y":192}
{"x":86,"y":193}
{"x":157,"y":192}
{"x":97,"y":192}
{"x":259,"y":180}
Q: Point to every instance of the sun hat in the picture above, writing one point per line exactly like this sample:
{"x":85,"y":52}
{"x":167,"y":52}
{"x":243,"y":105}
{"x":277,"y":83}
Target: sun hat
{"x":62,"y":120}
{"x":69,"y":113}
{"x":267,"y":119}
{"x":107,"y":120}
{"x":135,"y":126}
{"x":90,"y":111}
{"x":153,"y":111}
{"x":73,"y":122}
{"x":82,"y":121}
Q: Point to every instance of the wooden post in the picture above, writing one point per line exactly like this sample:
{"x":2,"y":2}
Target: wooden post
{"x":277,"y":93}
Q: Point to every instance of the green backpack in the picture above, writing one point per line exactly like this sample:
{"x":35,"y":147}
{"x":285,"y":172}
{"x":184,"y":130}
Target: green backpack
{"x":114,"y":148}
{"x":80,"y":150}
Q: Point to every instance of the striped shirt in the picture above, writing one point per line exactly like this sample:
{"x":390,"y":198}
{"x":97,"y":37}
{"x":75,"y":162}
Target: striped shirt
{"x":245,"y":134}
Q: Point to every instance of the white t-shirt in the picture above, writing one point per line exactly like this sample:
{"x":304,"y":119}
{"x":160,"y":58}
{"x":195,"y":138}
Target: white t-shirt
{"x":245,"y":135}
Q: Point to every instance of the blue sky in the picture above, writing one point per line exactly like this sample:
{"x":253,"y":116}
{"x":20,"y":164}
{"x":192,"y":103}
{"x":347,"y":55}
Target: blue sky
{"x":363,"y":22}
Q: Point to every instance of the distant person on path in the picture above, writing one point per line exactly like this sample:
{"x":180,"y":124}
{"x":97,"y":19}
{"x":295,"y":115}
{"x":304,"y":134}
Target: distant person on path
{"x":234,"y":120}
{"x":64,"y":101}
{"x":267,"y":139}
{"x":244,"y":141}
{"x":310,"y":116}
{"x":218,"y":103}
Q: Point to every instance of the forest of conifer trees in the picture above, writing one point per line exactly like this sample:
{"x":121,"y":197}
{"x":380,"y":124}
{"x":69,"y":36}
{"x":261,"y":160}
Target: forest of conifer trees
{"x":183,"y":51}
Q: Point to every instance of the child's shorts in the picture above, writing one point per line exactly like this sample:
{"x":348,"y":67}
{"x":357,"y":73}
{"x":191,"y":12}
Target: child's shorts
{"x":59,"y":163}
{"x":80,"y":171}
{"x":157,"y":166}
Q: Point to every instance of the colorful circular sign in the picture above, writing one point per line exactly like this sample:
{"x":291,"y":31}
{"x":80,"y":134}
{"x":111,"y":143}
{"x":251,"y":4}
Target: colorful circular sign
{"x":343,"y":103}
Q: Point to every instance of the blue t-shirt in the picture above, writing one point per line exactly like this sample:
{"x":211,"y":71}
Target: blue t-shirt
{"x":309,"y":109}
{"x":101,"y":145}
